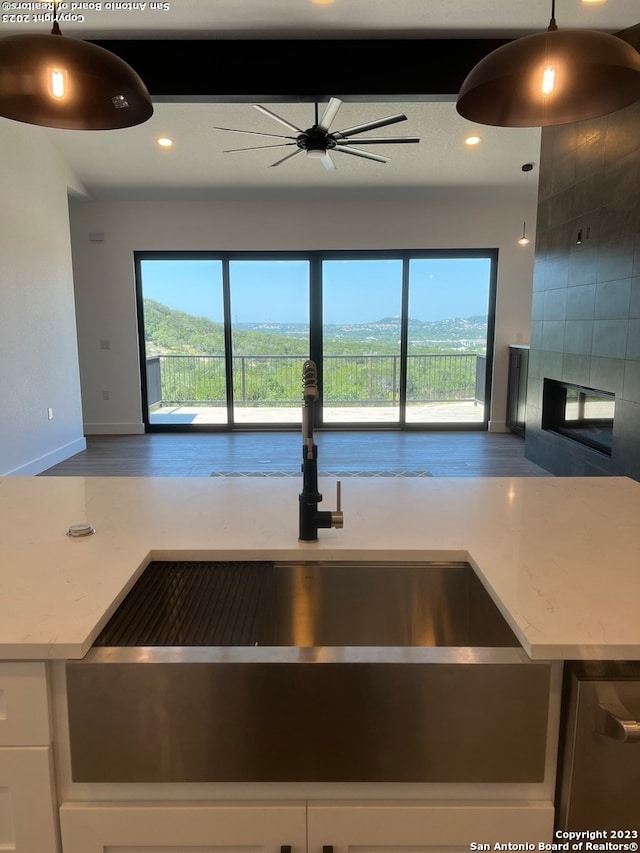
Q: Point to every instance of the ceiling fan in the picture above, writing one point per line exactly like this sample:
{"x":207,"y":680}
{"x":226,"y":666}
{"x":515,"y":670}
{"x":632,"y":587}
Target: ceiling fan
{"x":317,"y":141}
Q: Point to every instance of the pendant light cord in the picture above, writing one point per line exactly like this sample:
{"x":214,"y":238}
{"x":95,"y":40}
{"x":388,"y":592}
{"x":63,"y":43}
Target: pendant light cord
{"x":552,"y":23}
{"x":55,"y":31}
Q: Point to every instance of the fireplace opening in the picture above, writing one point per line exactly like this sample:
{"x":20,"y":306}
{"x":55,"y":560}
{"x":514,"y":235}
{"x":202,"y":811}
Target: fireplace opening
{"x":582,"y":414}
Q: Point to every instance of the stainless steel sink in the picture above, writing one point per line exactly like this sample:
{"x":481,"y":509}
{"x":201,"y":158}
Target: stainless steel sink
{"x":306,"y":605}
{"x":318,"y":671}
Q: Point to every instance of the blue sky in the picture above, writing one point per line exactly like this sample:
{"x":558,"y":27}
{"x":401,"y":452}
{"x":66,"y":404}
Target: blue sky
{"x":355,"y":291}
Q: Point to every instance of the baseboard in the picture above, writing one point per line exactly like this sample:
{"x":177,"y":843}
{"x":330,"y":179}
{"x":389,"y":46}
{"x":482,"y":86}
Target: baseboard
{"x":37,"y":466}
{"x":498,"y":426}
{"x":113,"y":429}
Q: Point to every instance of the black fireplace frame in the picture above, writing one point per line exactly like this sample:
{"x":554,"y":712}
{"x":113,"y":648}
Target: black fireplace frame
{"x":585,"y":428}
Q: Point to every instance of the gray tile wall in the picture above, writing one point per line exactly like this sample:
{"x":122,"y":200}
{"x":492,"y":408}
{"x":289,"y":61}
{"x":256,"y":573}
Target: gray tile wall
{"x":586,"y":288}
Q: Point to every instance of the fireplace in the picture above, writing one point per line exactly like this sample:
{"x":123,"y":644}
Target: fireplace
{"x":581,"y":414}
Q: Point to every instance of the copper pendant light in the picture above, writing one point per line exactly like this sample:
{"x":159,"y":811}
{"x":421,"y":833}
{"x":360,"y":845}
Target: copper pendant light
{"x":555,"y":77}
{"x":55,"y":81}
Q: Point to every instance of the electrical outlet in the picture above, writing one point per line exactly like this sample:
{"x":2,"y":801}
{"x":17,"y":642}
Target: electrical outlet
{"x":49,"y":414}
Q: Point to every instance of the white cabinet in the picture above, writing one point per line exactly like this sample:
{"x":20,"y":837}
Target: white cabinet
{"x":28,"y":820}
{"x":272,"y":827}
{"x":28,"y":815}
{"x":24,"y":706}
{"x":183,"y":827}
{"x":418,"y":827}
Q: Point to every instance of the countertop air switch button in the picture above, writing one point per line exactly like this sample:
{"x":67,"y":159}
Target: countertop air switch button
{"x":77,"y":531}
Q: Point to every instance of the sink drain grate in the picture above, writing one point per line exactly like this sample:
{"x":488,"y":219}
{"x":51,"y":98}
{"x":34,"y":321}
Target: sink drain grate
{"x":192,"y":603}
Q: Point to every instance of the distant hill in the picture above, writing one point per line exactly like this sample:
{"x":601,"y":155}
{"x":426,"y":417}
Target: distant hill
{"x":169,"y":331}
{"x":175,"y":332}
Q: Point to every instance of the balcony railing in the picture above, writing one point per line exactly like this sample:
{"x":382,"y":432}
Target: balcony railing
{"x":271,"y":380}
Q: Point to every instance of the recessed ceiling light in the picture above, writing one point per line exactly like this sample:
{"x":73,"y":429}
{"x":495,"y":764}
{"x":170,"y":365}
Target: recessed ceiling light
{"x":594,"y":2}
{"x":472,"y":140}
{"x":164,"y":142}
{"x":322,"y":2}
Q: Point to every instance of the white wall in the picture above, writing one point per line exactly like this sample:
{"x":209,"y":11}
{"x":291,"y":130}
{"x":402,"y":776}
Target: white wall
{"x":38,"y":347}
{"x":104,"y":271}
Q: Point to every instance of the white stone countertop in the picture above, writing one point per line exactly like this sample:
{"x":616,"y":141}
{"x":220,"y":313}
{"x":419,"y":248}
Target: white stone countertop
{"x":559,"y":556}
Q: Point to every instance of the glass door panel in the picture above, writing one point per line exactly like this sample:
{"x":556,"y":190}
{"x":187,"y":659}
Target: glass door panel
{"x":269,"y":307}
{"x":362,"y":304}
{"x":447,"y":340}
{"x":184,"y":342}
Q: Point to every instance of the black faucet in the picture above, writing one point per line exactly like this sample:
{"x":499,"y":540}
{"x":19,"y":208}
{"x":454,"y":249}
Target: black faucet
{"x":312,"y":519}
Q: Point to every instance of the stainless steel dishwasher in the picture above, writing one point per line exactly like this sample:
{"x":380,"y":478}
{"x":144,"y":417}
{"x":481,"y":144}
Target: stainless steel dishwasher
{"x":599,"y":779}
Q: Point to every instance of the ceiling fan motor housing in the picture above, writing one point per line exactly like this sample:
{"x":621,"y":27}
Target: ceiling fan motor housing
{"x":315,"y":140}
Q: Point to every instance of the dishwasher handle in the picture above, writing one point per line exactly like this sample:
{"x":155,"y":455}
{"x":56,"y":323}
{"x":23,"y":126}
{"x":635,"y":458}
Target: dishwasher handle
{"x":613,"y":720}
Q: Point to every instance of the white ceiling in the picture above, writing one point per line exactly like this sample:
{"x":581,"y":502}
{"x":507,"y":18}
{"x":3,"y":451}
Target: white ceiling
{"x":337,"y":19}
{"x":129,"y":164}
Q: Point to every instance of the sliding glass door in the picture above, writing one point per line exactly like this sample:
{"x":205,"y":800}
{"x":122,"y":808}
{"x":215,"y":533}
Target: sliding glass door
{"x":184,"y":358}
{"x":361,"y":308}
{"x":269,"y":303}
{"x":447,"y":334}
{"x":223,"y":341}
{"x":400,"y":339}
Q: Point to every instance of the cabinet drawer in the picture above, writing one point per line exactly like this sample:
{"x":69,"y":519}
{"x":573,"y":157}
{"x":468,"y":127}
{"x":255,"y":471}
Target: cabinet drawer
{"x":24,"y":710}
{"x":201,"y":827}
{"x":415,"y":827}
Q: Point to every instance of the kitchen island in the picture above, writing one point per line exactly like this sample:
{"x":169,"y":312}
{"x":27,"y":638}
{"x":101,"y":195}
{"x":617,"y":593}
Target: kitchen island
{"x":557,"y":556}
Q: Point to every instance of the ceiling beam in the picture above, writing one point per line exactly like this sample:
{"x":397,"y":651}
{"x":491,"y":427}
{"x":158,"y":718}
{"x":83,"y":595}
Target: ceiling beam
{"x":302,"y":70}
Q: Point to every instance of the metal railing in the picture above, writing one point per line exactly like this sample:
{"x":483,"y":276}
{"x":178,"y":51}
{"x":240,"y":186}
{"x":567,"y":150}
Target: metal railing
{"x":268,"y":380}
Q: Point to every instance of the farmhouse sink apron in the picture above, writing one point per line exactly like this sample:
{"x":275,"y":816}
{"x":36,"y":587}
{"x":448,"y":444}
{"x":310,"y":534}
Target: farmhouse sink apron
{"x":308,"y":671}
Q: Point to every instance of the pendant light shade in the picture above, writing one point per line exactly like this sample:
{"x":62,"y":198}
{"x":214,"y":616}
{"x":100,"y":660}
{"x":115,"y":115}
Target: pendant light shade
{"x":555,"y":77}
{"x":524,"y":240}
{"x":55,"y":81}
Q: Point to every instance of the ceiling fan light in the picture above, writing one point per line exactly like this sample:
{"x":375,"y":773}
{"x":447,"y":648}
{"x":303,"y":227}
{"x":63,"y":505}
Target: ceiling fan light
{"x":593,"y":74}
{"x":315,"y":153}
{"x":55,"y":81}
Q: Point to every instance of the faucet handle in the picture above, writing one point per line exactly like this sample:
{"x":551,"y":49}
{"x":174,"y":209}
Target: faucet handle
{"x":337,"y":517}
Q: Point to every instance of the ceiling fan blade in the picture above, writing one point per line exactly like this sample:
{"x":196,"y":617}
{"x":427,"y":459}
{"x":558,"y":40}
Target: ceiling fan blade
{"x":357,"y":153}
{"x":278,"y":118}
{"x":254,"y":132}
{"x":288,"y":157}
{"x":370,"y":125}
{"x":329,"y":114}
{"x":257,"y":147}
{"x":328,"y":163}
{"x":380,"y":141}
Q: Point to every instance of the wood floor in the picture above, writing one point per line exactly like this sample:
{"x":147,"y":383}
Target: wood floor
{"x":443,"y":454}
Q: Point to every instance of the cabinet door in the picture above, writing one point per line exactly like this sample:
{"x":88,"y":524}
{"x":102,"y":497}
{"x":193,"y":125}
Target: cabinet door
{"x":28,"y":820}
{"x":183,"y":827}
{"x":24,"y":709}
{"x":418,"y":827}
